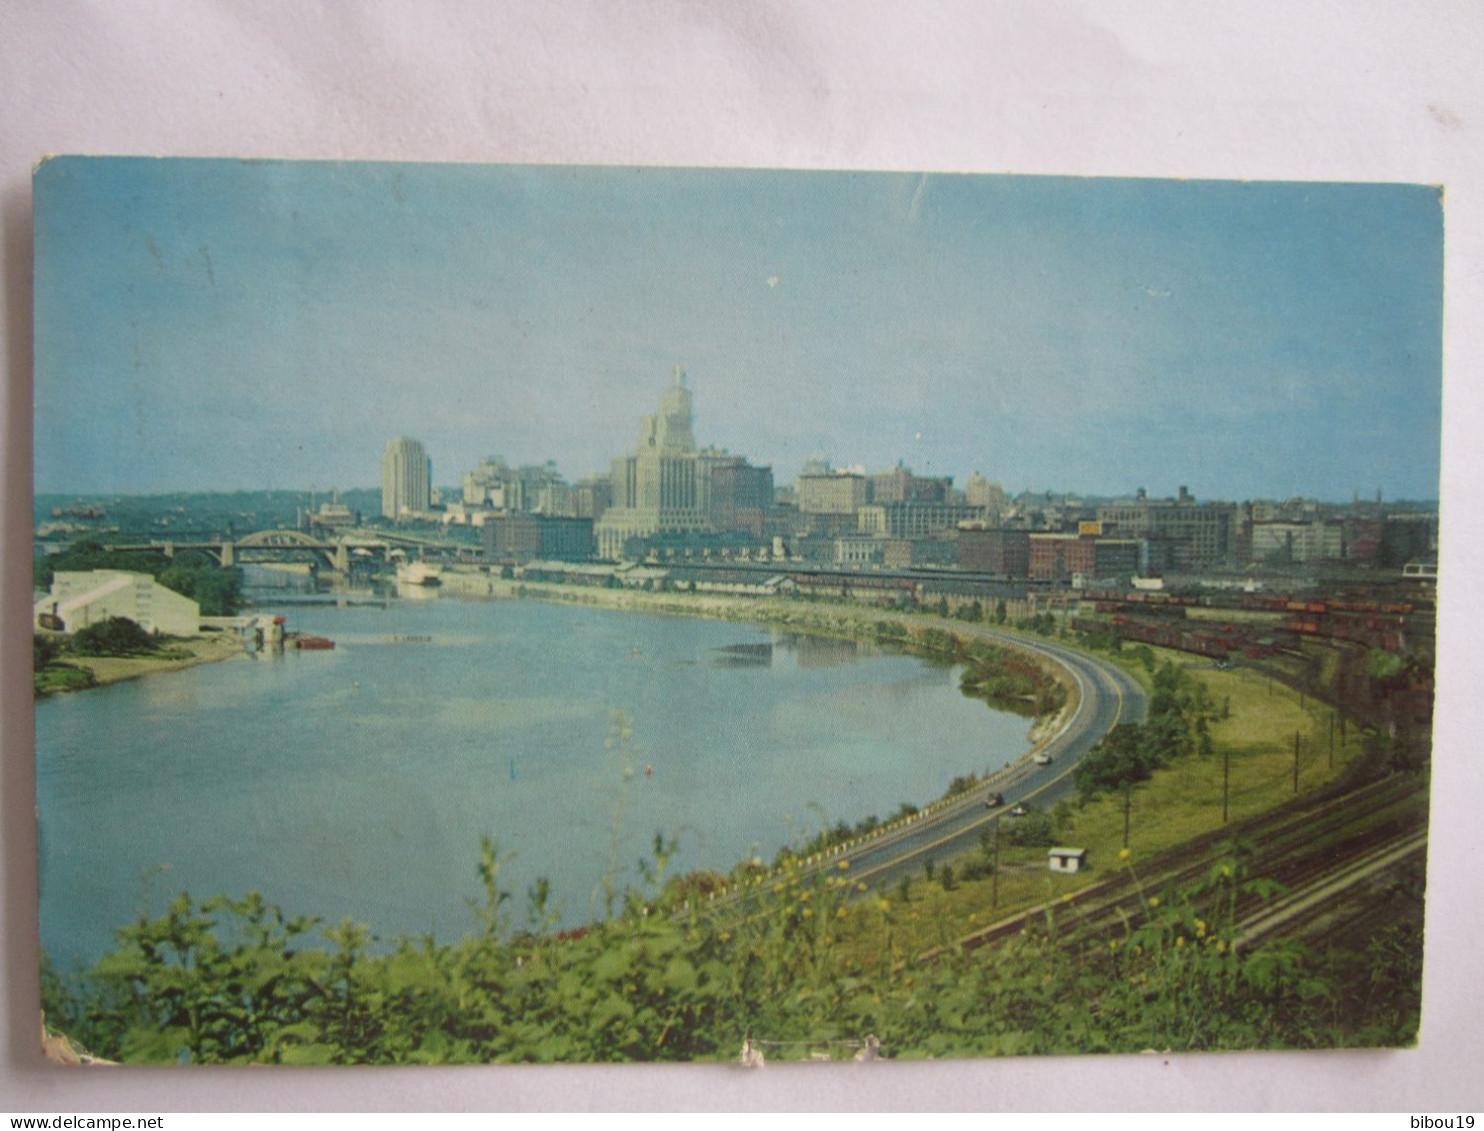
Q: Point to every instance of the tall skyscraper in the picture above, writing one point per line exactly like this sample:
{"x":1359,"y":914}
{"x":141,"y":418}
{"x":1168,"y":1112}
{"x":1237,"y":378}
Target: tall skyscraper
{"x":666,"y":486}
{"x":671,"y":431}
{"x":406,"y":478}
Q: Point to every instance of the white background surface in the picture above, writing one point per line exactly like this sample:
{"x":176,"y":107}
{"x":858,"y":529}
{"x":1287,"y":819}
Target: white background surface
{"x":1319,"y":91}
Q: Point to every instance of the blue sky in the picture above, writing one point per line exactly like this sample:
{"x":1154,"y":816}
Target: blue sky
{"x":221,"y":325}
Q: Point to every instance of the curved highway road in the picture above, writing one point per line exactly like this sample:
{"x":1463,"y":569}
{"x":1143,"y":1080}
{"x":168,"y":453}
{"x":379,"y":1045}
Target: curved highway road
{"x":1108,"y":696}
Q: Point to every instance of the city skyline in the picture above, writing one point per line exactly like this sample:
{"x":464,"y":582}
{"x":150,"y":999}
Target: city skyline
{"x":216,"y":325}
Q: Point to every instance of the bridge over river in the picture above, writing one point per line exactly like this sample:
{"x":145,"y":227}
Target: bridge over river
{"x":295,"y":545}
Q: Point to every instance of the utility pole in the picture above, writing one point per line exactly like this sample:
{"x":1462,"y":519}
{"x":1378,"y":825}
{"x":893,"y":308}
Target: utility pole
{"x":1127,"y":804}
{"x":1226,"y":771}
{"x":994,"y":898}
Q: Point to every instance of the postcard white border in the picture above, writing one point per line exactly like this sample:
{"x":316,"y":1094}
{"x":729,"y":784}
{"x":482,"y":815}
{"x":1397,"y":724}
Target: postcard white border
{"x":1261,"y":90}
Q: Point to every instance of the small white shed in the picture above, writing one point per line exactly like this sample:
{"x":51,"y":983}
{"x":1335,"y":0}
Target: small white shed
{"x":1067,"y":859}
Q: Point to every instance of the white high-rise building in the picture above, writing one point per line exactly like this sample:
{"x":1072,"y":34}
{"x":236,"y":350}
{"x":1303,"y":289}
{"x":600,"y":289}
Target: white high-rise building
{"x":406,"y":479}
{"x":671,"y":486}
{"x":664,"y":485}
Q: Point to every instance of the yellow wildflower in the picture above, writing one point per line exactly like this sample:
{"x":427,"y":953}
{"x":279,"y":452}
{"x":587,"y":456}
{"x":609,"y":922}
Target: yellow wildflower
{"x":861,"y":886}
{"x":808,"y":911}
{"x":1154,"y":901}
{"x":725,"y":936}
{"x":840,"y":914}
{"x":1124,"y":854}
{"x":1180,"y":941}
{"x":844,"y":864}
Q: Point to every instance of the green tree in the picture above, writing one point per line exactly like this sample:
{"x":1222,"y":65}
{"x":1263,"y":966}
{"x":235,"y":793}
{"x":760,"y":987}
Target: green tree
{"x":44,"y":650}
{"x":1382,"y":664}
{"x":190,"y":573}
{"x":1125,"y":754}
{"x":116,"y":636}
{"x":1034,"y":830}
{"x":195,"y":575}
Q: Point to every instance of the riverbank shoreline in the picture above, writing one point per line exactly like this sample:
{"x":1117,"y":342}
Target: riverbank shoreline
{"x":850,"y":621}
{"x":118,"y":669}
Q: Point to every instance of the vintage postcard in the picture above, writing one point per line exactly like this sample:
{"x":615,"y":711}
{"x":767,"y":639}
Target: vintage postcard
{"x":524,"y":614}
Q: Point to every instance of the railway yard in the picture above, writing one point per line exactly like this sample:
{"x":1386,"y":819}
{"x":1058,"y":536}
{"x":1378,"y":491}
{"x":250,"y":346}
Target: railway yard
{"x":1330,"y":854}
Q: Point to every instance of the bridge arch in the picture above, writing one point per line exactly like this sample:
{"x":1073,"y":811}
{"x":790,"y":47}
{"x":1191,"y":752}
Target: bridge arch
{"x":289,"y":542}
{"x":279,"y":540}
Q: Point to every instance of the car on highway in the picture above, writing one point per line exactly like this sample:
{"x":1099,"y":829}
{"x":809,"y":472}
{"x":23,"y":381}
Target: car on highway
{"x":1020,"y":811}
{"x":994,"y":800}
{"x":1042,"y":759}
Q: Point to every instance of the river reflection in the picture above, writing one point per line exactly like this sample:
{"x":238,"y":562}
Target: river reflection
{"x":825,"y":651}
{"x":743,"y":656}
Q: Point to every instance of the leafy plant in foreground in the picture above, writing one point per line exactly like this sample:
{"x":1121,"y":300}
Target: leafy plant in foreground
{"x":233,"y":981}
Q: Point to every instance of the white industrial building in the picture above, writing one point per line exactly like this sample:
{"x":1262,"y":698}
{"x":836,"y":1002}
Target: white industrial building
{"x":82,"y":598}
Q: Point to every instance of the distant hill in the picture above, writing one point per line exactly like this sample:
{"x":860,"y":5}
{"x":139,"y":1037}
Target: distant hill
{"x":188,"y":514}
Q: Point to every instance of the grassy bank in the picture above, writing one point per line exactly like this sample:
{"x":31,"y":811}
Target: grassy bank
{"x":1181,"y":801}
{"x":82,"y":672}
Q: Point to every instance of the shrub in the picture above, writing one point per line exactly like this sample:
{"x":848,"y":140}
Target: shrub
{"x":43,"y":651}
{"x":238,"y":980}
{"x":116,"y":636}
{"x":1034,"y":830}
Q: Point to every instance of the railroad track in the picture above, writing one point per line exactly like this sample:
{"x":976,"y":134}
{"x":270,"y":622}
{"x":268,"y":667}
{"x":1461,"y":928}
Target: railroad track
{"x":1307,"y":848}
{"x":1323,"y":908}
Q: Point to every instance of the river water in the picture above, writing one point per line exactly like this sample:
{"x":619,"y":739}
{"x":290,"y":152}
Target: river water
{"x":357,"y":782}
